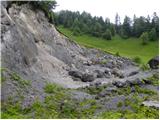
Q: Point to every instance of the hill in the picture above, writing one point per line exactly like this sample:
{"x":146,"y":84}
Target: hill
{"x":130,"y":48}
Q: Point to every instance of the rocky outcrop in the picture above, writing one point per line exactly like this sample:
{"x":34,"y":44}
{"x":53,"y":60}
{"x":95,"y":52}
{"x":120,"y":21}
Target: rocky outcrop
{"x":35,"y":50}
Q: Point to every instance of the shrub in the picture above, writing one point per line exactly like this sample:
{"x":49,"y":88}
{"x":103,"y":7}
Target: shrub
{"x":51,"y":88}
{"x":152,"y":35}
{"x":117,"y":54}
{"x":107,"y":35}
{"x":137,"y":60}
{"x":120,"y":104}
{"x":145,"y":67}
{"x":144,"y":37}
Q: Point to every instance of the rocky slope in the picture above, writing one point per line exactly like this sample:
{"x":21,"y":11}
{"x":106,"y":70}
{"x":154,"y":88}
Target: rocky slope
{"x":34,"y":53}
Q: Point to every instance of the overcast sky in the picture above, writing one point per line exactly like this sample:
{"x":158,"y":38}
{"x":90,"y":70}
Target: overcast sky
{"x":109,"y":8}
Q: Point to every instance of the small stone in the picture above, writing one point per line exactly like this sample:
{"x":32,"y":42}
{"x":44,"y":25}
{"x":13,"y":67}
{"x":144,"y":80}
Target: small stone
{"x":154,"y":104}
{"x":133,"y":73}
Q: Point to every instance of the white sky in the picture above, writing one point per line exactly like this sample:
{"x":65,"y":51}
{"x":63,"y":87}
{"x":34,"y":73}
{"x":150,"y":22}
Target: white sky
{"x":109,"y":8}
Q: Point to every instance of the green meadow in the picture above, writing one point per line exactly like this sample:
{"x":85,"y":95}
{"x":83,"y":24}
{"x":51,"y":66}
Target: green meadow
{"x":131,"y":47}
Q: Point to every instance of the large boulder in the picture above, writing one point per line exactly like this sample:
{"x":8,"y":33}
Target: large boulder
{"x":117,"y":73}
{"x":87,"y":77}
{"x":75,"y":74}
{"x":99,"y":74}
{"x":154,"y":62}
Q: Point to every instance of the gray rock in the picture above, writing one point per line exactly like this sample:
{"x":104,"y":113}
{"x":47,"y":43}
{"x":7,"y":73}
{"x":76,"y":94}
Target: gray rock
{"x":134,"y":82}
{"x":147,"y":81}
{"x":111,"y":89}
{"x":117,"y":73}
{"x":76,"y":74}
{"x":133,"y":89}
{"x":133,"y":73}
{"x":76,"y":79}
{"x":119,"y":84}
{"x":99,"y":74}
{"x":154,"y":104}
{"x":87,"y":77}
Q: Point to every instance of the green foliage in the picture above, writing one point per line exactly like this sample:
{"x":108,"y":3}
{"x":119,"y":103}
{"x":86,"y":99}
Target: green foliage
{"x":126,"y":27}
{"x":144,"y":90}
{"x":152,"y":34}
{"x":110,"y":115}
{"x":52,"y":88}
{"x":14,"y":77}
{"x":117,"y":54}
{"x":145,"y":67}
{"x":11,"y":110}
{"x":154,"y":79}
{"x":120,"y":104}
{"x":22,"y":82}
{"x":137,"y":111}
{"x":96,"y":26}
{"x":45,"y":6}
{"x":2,"y":78}
{"x":124,"y":91}
{"x":57,"y":104}
{"x":137,"y":60}
{"x":127,"y":102}
{"x":107,"y":35}
{"x":144,"y":37}
{"x":94,"y":90}
{"x":103,"y":61}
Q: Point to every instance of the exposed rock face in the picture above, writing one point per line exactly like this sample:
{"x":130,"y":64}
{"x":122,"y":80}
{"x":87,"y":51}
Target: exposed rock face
{"x":33,"y":48}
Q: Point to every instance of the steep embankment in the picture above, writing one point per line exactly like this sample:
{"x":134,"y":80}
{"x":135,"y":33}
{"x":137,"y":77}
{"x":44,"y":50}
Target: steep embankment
{"x":34,"y":55}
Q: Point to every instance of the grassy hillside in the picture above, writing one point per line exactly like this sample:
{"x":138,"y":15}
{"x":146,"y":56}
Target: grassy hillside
{"x":131,"y":47}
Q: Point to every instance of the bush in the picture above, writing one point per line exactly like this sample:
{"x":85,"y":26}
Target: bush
{"x":137,"y":60}
{"x":145,"y":67}
{"x":152,"y":34}
{"x":51,"y":88}
{"x":144,"y":37}
{"x":117,"y":54}
{"x":120,"y":104}
{"x":107,"y":35}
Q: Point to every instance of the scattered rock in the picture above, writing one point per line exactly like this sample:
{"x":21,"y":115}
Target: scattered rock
{"x":133,"y":89}
{"x":99,"y":74}
{"x":117,"y":73}
{"x":98,"y":84}
{"x":154,"y":62}
{"x":88,"y":63}
{"x":111,"y":89}
{"x":101,"y":94}
{"x":87,"y":78}
{"x":154,"y":104}
{"x":147,"y":81}
{"x":76,"y":79}
{"x":133,"y":73}
{"x":119,"y":84}
{"x":75,"y":74}
{"x":134,"y":82}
